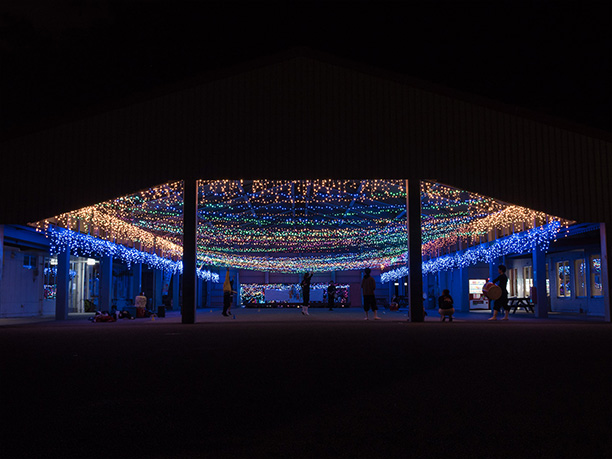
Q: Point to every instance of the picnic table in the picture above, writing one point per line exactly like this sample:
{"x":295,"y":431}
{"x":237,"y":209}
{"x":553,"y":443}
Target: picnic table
{"x":525,"y":303}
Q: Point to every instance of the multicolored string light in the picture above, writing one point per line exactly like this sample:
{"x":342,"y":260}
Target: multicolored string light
{"x":294,"y":226}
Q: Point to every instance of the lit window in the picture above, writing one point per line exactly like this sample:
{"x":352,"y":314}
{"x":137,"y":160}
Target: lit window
{"x":29,"y":261}
{"x":50,"y":284}
{"x":564,"y":289}
{"x":596,"y":287}
{"x":580,"y":277}
{"x":527,"y":280}
{"x":512,"y":281}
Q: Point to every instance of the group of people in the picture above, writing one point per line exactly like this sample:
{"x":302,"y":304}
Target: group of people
{"x":368,"y":285}
{"x":446,"y":307}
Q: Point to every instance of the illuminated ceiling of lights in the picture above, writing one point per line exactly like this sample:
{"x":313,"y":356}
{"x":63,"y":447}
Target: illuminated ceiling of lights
{"x":293,"y":226}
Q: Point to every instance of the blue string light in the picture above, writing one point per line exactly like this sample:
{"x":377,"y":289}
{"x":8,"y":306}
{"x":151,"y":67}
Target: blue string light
{"x":85,"y":245}
{"x":516,"y":243}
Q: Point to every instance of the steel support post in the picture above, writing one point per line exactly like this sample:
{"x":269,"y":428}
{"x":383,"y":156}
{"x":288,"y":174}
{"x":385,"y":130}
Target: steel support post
{"x":190,"y":208}
{"x":415,"y":258}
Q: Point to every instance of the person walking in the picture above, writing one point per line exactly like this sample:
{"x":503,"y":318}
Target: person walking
{"x":445,"y":306}
{"x":502,"y":301}
{"x":306,"y":292}
{"x":331,"y":295}
{"x":368,"y":285}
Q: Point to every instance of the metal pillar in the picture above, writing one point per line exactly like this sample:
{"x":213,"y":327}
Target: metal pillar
{"x":1,"y":249}
{"x":158,"y":276}
{"x":63,"y":282}
{"x":464,"y":290}
{"x":605,"y":234}
{"x":106,"y":284}
{"x":190,"y":208}
{"x":415,"y":258}
{"x":1,"y":257}
{"x":539,"y":282}
{"x":176,"y":283}
{"x":136,"y":279}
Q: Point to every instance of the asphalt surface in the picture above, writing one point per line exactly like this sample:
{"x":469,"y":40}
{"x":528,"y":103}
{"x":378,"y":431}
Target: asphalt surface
{"x":274,"y":383}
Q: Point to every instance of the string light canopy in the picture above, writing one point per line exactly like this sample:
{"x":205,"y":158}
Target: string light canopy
{"x":298,"y":225}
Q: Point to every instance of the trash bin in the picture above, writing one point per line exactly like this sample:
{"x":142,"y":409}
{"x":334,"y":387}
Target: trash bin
{"x":161,"y":311}
{"x":140,"y":311}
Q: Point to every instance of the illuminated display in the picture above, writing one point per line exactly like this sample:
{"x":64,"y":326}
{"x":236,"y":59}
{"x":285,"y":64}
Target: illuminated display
{"x":292,"y":226}
{"x":252,"y":294}
{"x":476,"y":286}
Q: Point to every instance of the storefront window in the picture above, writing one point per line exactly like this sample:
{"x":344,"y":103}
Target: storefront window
{"x":564,"y":289}
{"x":596,"y":287}
{"x":580,"y":277}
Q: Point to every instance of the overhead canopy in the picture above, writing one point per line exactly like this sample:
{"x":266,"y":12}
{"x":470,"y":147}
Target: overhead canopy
{"x":304,"y":115}
{"x":300,"y":225}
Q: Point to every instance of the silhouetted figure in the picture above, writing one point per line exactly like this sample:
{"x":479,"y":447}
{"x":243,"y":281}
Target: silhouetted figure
{"x":228,"y":290}
{"x":331,"y":295}
{"x":445,"y":306}
{"x":501,"y":302}
{"x":368,"y":285}
{"x":305,"y":284}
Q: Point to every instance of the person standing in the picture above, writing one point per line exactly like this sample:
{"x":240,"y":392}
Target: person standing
{"x":502,"y":301}
{"x":306,"y":292}
{"x":227,"y":294}
{"x":331,"y":295}
{"x":368,"y":285}
{"x":445,"y":306}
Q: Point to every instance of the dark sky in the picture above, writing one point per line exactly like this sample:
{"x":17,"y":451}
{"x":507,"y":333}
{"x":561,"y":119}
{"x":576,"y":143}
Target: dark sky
{"x":61,"y":56}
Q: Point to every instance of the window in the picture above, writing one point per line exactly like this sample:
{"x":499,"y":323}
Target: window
{"x":580,"y":277}
{"x":512,"y":281}
{"x":29,"y":261}
{"x":527,"y":280}
{"x":596,"y":287}
{"x":50,"y":284}
{"x":564,"y":289}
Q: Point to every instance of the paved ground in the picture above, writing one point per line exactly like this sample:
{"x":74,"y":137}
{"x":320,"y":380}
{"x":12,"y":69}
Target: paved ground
{"x":273,"y":383}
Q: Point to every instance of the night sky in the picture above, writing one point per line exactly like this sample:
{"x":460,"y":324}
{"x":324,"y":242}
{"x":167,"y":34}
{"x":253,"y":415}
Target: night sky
{"x":60,"y":57}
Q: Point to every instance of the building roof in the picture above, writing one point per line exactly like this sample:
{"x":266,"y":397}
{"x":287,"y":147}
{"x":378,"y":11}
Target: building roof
{"x":304,"y":115}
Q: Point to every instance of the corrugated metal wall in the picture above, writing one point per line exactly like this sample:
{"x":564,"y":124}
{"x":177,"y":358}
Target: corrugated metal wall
{"x":306,"y":118}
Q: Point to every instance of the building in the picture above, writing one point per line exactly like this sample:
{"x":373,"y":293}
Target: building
{"x":305,"y":116}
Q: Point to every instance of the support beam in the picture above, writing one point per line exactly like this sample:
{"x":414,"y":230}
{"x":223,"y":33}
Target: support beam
{"x":190,"y":216}
{"x":176,"y":283}
{"x":63,"y":281}
{"x":463,"y":303}
{"x":158,"y":276}
{"x":605,"y":234}
{"x":1,"y":250}
{"x":415,"y":259}
{"x":539,"y":282}
{"x":136,"y":279}
{"x":106,"y":284}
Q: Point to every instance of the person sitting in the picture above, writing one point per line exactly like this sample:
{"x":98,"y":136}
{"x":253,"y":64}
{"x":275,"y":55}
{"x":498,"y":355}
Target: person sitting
{"x":445,"y":306}
{"x":103,"y":316}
